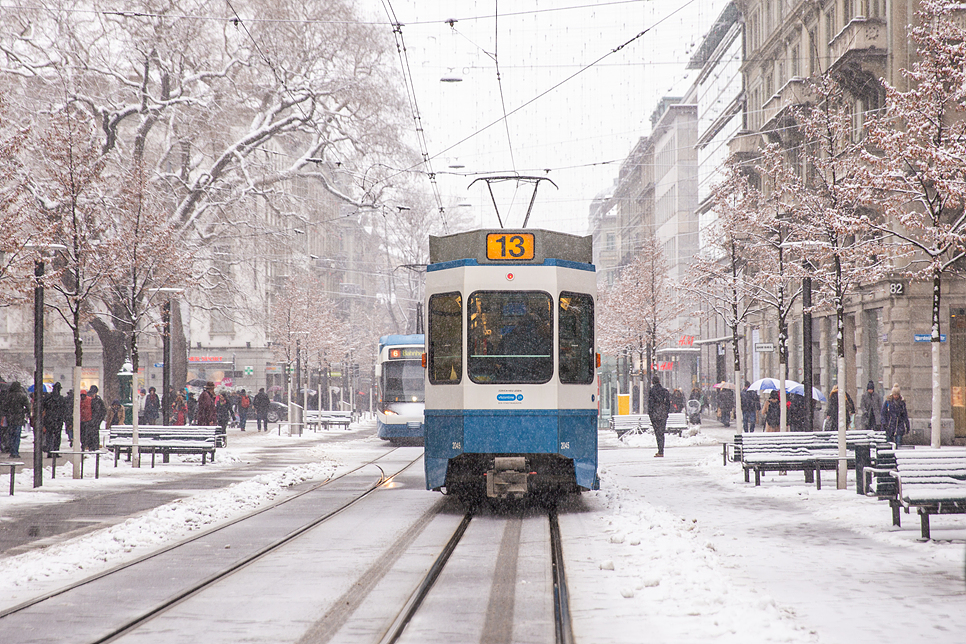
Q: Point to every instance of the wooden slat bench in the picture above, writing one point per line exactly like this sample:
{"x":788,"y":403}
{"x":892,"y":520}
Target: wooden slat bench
{"x":325,"y":419}
{"x":931,"y":480}
{"x":810,"y":452}
{"x":165,"y":440}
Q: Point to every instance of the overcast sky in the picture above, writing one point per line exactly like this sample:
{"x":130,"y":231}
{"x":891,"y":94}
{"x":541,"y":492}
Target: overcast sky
{"x":580,"y":131}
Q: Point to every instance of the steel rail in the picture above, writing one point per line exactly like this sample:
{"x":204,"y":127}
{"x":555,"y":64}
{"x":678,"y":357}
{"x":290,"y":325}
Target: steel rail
{"x":398,"y":626}
{"x":33,"y":601}
{"x":563,"y":627}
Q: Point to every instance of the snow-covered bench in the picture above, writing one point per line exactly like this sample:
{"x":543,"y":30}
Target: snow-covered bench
{"x":933,"y":481}
{"x":322,"y":419}
{"x":630,"y":424}
{"x":810,"y":452}
{"x":166,"y":440}
{"x":676,"y":423}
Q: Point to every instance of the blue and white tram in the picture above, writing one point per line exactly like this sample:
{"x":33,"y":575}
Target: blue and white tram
{"x":399,"y":373}
{"x":511,"y":388}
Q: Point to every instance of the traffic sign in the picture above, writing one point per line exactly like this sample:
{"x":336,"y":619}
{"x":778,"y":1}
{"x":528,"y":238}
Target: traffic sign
{"x":158,"y":365}
{"x":765,"y":347}
{"x":927,"y":337}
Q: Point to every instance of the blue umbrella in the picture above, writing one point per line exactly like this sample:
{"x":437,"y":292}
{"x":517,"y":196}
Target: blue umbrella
{"x":48,"y":388}
{"x":816,"y":394}
{"x":768,"y":384}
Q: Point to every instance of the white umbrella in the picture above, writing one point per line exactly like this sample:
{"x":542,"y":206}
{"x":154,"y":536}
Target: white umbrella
{"x":768,"y":384}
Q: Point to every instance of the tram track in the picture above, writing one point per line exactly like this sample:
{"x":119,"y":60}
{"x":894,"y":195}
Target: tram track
{"x":145,"y":615}
{"x":497,"y":627}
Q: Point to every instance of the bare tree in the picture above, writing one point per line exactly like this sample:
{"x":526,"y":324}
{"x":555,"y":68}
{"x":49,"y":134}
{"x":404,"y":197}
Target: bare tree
{"x":819,"y":185}
{"x":917,"y":172}
{"x":719,"y":277}
{"x":640,"y":313}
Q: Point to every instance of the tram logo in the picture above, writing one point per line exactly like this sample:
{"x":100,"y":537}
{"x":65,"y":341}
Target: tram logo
{"x":509,"y":397}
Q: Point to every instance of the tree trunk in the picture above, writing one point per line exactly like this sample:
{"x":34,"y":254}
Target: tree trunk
{"x":179,"y":349}
{"x":113,"y":352}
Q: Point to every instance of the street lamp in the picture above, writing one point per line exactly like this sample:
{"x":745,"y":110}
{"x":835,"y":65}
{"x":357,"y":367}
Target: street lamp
{"x":39,"y":362}
{"x":166,"y":352}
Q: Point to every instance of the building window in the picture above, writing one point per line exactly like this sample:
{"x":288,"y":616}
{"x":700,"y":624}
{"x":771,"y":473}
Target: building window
{"x":666,"y":206}
{"x":665,"y":159}
{"x":611,"y":242}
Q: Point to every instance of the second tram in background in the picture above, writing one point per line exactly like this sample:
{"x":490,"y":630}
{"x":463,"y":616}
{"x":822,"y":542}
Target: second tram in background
{"x":511,"y":388}
{"x":401,"y":390}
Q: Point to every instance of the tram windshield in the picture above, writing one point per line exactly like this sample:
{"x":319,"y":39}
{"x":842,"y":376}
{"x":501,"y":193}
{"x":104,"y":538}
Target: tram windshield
{"x":402,"y":381}
{"x":510,"y":337}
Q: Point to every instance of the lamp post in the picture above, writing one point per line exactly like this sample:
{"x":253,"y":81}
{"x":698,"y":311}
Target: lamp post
{"x":38,"y":372}
{"x":166,"y":351}
{"x":38,"y":460}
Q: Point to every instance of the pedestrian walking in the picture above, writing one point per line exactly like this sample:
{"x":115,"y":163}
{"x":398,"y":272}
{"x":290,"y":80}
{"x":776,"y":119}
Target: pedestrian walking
{"x":115,"y":415}
{"x":895,"y":417}
{"x":772,"y":411}
{"x":223,"y":412}
{"x":15,"y":410}
{"x":677,"y":401}
{"x":69,"y":417}
{"x":726,"y":405}
{"x":205,"y":413}
{"x":244,"y":405}
{"x":90,"y":432}
{"x":192,"y":404}
{"x":658,"y":407}
{"x":750,"y":406}
{"x":261,"y":404}
{"x":870,"y":407}
{"x":179,"y":410}
{"x":152,"y":407}
{"x":832,"y":411}
{"x":55,"y":412}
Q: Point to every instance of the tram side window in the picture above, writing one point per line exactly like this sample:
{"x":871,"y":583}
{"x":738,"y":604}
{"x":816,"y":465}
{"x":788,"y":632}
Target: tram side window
{"x":445,"y":356}
{"x":576,"y":357}
{"x":509,"y":337}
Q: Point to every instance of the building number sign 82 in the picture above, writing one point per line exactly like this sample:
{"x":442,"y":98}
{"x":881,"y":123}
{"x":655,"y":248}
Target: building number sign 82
{"x":501,"y":246}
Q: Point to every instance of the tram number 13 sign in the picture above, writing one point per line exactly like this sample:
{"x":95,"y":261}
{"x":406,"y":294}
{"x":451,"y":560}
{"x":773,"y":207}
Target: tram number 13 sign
{"x":501,"y":246}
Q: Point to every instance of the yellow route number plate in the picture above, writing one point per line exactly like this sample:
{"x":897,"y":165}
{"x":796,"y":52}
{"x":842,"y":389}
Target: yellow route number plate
{"x":503,"y":246}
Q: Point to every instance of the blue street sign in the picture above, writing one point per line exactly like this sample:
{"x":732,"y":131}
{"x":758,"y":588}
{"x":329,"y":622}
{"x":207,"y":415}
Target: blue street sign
{"x":158,"y":365}
{"x":927,"y":337}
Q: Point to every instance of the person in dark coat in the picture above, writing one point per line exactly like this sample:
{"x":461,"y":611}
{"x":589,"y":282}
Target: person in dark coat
{"x":658,"y":407}
{"x":750,"y":406}
{"x":797,"y":412}
{"x":152,"y":407}
{"x":895,"y":417}
{"x":205,"y":413}
{"x":870,"y":408}
{"x":55,"y":413}
{"x":832,"y":411}
{"x":726,"y":405}
{"x":677,"y":401}
{"x":90,"y":430}
{"x":223,"y":410}
{"x":772,"y":411}
{"x":261,"y":404}
{"x":192,"y":404}
{"x":16,"y":409}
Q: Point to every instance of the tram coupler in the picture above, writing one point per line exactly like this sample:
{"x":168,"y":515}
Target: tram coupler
{"x":508,"y":478}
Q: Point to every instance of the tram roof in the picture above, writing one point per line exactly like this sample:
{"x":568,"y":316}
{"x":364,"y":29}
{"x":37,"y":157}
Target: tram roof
{"x":548,"y":244}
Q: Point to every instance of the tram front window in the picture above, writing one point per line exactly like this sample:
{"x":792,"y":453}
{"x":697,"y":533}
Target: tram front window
{"x":510,"y":337}
{"x":402,"y":381}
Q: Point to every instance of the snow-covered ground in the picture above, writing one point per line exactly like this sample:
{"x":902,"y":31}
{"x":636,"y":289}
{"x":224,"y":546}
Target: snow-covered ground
{"x":676,"y":549}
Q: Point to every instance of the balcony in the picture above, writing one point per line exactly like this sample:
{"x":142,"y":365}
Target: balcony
{"x":744,"y":145}
{"x":859,"y":40}
{"x":792,"y":93}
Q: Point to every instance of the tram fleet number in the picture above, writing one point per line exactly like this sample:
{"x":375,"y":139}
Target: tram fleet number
{"x":500,"y":246}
